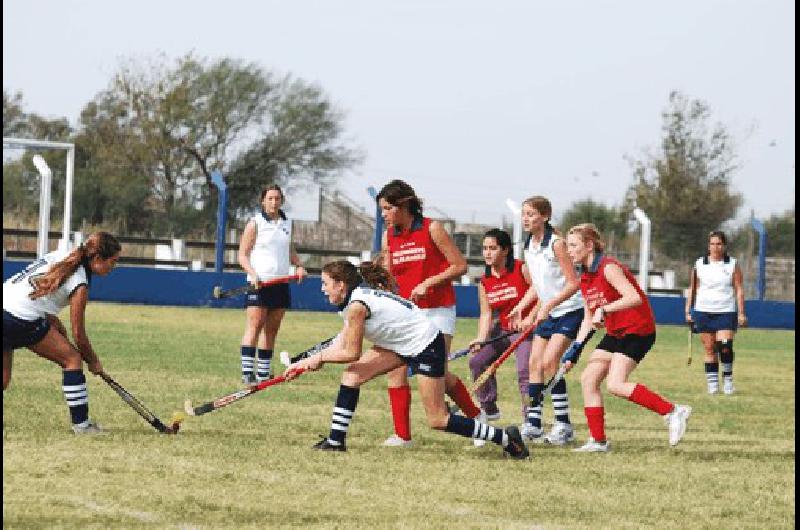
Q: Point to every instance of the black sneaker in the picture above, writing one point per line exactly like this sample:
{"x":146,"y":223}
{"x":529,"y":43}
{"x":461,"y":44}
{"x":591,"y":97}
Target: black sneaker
{"x":516,"y":447}
{"x":326,"y":445}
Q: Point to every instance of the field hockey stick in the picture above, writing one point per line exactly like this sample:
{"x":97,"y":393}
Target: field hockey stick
{"x":689,"y":349}
{"x":286,"y":360}
{"x":227,"y":399}
{"x":562,"y":367}
{"x":218,"y":292}
{"x":140,"y":409}
{"x":489,"y":372}
{"x":461,"y":353}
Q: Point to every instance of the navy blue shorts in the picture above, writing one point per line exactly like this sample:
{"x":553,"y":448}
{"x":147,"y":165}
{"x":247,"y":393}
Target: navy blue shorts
{"x":430,"y":362}
{"x":713,"y":322}
{"x":633,"y":346}
{"x":18,"y":333}
{"x":567,"y":325}
{"x":272,"y":297}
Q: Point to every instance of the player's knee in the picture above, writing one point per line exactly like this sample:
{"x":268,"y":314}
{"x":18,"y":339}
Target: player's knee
{"x":725,"y":350}
{"x":589,"y":380}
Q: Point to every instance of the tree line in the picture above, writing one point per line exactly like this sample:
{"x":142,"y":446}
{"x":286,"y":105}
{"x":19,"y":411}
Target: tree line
{"x":147,"y":144}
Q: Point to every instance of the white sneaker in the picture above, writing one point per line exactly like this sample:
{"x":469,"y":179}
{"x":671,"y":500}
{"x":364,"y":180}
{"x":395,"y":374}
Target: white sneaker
{"x":592,"y":446}
{"x":477,"y":442}
{"x":396,"y":441}
{"x":560,"y":434}
{"x":713,"y":388}
{"x":90,"y":428}
{"x":727,"y":387}
{"x":531,"y":433}
{"x":676,"y":421}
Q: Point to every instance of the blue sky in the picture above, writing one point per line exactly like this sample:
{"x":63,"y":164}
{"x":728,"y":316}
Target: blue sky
{"x":470,"y":102}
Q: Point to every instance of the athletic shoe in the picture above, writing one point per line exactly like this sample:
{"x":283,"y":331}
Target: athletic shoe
{"x":561,"y":434}
{"x":326,"y":445}
{"x":713,"y":388}
{"x":516,"y":447}
{"x":531,"y":433}
{"x":285,"y":359}
{"x":676,"y":421}
{"x":593,"y":446}
{"x":90,"y":428}
{"x":492,"y":412}
{"x":249,"y":379}
{"x":478,"y":442}
{"x":396,"y":441}
{"x":259,"y":378}
{"x":727,"y":387}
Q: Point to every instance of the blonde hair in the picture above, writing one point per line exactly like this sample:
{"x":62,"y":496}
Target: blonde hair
{"x":100,"y":244}
{"x":589,"y":232}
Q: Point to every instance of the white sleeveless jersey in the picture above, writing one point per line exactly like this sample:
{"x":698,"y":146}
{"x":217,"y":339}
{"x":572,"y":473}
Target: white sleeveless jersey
{"x":393,"y":322}
{"x":270,"y":256}
{"x":715,"y":293}
{"x":546,"y":275}
{"x":16,"y":290}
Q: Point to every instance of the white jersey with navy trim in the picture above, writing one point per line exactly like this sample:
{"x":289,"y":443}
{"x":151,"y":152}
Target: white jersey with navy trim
{"x":270,"y":256}
{"x":17,"y":289}
{"x":715,"y":292}
{"x":393,"y":322}
{"x":547,"y":277}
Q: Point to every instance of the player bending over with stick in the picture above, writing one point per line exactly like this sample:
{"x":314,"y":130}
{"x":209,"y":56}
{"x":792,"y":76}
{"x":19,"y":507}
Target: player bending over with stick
{"x":32,"y":300}
{"x":401,"y":335}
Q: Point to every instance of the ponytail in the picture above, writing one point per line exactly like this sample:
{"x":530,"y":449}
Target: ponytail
{"x":100,"y":244}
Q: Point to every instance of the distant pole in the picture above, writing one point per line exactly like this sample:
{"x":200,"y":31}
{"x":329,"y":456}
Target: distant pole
{"x":516,"y":213}
{"x":644,"y":247}
{"x":761,"y":282}
{"x":222,"y":209}
{"x":377,"y":239}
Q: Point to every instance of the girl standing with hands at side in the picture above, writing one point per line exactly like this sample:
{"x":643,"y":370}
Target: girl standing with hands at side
{"x":718,"y":299}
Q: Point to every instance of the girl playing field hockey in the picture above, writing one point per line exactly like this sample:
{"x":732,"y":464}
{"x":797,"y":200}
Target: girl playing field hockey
{"x":718,"y":292}
{"x":32,"y":300}
{"x":265,"y":252}
{"x":557,"y":319}
{"x":424,"y":260}
{"x":402,"y":337}
{"x":504,"y":283}
{"x":614,"y":300}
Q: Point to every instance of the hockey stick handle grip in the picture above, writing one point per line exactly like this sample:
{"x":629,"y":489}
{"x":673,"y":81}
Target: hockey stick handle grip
{"x":460,"y":353}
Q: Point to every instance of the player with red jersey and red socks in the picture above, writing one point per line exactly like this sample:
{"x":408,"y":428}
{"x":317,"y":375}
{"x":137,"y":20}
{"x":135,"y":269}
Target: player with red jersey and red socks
{"x":424,"y":261}
{"x":614,"y":300}
{"x":504,"y":283}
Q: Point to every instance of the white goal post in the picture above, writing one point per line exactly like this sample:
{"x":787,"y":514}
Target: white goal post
{"x":46,"y":174}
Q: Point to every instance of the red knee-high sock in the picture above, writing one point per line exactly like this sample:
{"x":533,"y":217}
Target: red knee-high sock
{"x":595,"y":419}
{"x":646,"y":398}
{"x":400,"y":399}
{"x":461,"y":396}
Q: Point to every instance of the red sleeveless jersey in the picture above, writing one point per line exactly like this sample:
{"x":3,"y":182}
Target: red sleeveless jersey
{"x":598,"y":292}
{"x":505,"y":292}
{"x":413,"y":258}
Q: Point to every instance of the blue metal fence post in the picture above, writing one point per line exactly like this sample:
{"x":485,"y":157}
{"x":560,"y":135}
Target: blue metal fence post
{"x":377,"y":239}
{"x":761,"y":282}
{"x":222,"y":211}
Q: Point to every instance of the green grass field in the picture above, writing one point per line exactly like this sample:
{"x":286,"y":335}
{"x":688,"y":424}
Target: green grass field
{"x":251,"y":465}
